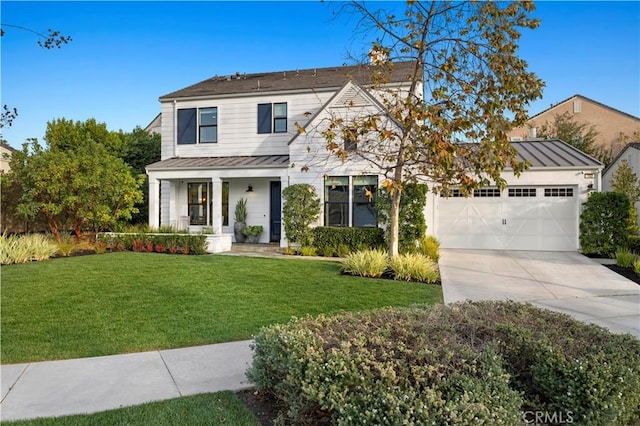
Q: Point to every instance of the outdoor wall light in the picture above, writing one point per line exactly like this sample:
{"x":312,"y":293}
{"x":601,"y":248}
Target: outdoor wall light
{"x":249,"y":189}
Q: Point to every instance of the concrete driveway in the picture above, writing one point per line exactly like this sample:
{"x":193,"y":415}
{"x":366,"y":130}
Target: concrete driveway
{"x":561,"y":281}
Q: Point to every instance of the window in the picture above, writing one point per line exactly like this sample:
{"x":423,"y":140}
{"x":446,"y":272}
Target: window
{"x":486,"y":192}
{"x":353,"y":198}
{"x":558,"y":192}
{"x":336,"y":201}
{"x":364,"y":201}
{"x":522,"y":192}
{"x":198,"y":203}
{"x":350,"y":140}
{"x":225,"y":203}
{"x":197,"y":125}
{"x":272,"y":118}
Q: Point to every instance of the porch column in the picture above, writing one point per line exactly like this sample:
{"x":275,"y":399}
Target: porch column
{"x":216,"y":202}
{"x":154,"y":202}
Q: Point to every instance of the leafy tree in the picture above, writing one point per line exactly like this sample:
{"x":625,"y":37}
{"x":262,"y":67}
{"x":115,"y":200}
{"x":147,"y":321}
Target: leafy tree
{"x":301,"y":209}
{"x":63,"y":134}
{"x":141,"y":148}
{"x":627,"y":182}
{"x":50,"y":40}
{"x":411,"y":217}
{"x":565,"y":128}
{"x":84,"y":187}
{"x":467,"y":85}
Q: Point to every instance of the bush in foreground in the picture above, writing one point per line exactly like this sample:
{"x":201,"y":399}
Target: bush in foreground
{"x":367,"y":263}
{"x":481,"y":363}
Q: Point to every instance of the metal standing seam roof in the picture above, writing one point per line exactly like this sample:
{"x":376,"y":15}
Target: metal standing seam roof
{"x":236,"y":162}
{"x":314,"y":78}
{"x":554,"y":154}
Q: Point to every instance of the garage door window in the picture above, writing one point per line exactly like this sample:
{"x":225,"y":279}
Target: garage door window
{"x":486,"y":192}
{"x":522,"y":192}
{"x":558,"y":192}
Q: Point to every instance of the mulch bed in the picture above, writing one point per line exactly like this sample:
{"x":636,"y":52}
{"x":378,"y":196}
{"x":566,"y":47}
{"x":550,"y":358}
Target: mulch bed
{"x":628,"y":273}
{"x":265,"y":409}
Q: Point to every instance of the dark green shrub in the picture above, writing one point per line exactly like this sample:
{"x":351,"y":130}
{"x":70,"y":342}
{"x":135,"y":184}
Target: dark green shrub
{"x":330,"y":239}
{"x":300,"y":210}
{"x":470,"y":363}
{"x":193,"y":244}
{"x":633,"y":243}
{"x":411,"y":217}
{"x":603,"y":223}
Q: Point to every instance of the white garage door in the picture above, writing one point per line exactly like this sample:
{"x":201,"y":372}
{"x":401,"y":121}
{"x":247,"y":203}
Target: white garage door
{"x":518,"y":218}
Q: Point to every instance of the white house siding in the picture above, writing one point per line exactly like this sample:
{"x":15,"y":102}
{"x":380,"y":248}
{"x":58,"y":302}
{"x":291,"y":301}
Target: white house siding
{"x":237,"y":125}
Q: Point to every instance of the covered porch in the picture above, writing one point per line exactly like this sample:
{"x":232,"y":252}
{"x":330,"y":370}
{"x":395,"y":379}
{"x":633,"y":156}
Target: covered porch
{"x":200,"y":194}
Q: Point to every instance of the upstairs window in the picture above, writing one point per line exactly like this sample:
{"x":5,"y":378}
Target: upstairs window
{"x":272,"y":118}
{"x":197,"y":125}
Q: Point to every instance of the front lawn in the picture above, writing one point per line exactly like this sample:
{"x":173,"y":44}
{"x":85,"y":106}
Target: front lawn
{"x":129,"y":302}
{"x":205,"y":409}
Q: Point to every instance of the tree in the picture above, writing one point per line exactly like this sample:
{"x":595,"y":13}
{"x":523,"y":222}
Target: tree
{"x":76,"y":181}
{"x":412,"y":224}
{"x":141,"y":148}
{"x":47,"y":41}
{"x":563,"y":127}
{"x":301,"y":209}
{"x":476,"y":89}
{"x":625,"y":181}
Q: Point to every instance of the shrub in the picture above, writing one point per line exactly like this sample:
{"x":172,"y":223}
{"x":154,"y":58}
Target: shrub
{"x":308,"y":251}
{"x":161,"y":248}
{"x":414,"y":267}
{"x":289,"y":251}
{"x":633,"y":243}
{"x":470,"y":363}
{"x":301,"y":209}
{"x":368,"y":263}
{"x":603,"y":223}
{"x":343,"y":250}
{"x":411,"y":216}
{"x":66,"y":245}
{"x":176,"y":242}
{"x":636,"y":267}
{"x":25,"y":248}
{"x":326,"y":238}
{"x":625,"y":258}
{"x":100,"y":247}
{"x":430,"y":247}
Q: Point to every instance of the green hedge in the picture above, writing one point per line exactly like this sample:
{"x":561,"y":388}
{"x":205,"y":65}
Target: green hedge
{"x":335,"y":241}
{"x":633,"y":243}
{"x":603,"y":223}
{"x":485,"y":363}
{"x":160,"y":243}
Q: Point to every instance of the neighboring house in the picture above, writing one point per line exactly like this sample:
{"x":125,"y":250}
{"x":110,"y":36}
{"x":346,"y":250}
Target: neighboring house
{"x":155,"y":126}
{"x":630,"y":153}
{"x":236,"y":137}
{"x":607,"y":121}
{"x":5,"y":156}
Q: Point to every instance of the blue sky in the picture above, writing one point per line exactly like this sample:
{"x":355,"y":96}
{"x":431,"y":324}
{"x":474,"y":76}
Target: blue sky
{"x":124,"y":55}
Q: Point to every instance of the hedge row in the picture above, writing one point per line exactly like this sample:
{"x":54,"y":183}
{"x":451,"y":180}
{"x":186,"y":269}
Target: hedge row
{"x":486,"y":363}
{"x":160,"y":243}
{"x":335,"y":241}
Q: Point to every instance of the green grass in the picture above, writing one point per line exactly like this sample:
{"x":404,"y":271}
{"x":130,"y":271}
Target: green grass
{"x":129,"y":302}
{"x":221,"y":408}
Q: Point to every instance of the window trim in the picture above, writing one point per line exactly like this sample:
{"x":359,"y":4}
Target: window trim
{"x":204,"y":126}
{"x":206,"y":202}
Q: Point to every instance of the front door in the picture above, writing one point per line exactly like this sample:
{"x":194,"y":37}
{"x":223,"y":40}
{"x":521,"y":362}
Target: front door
{"x":276,"y":215}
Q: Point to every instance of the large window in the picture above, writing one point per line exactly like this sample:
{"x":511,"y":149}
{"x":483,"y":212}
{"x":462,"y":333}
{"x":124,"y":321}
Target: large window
{"x":272,"y":118}
{"x":197,"y":125}
{"x":198,"y":203}
{"x":350,"y":197}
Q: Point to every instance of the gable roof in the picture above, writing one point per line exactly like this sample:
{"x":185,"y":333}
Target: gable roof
{"x":309,"y":79}
{"x":349,"y":92}
{"x":632,"y":145}
{"x":586,"y":99}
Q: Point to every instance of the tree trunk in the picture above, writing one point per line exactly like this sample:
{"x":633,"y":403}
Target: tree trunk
{"x":394,"y":216}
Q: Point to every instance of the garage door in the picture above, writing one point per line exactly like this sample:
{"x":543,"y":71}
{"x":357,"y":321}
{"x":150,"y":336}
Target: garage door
{"x":518,"y":218}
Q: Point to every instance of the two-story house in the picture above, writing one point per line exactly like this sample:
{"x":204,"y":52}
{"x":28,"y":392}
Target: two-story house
{"x":234,"y":137}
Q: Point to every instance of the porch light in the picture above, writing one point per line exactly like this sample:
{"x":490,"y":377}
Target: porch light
{"x":249,"y":189}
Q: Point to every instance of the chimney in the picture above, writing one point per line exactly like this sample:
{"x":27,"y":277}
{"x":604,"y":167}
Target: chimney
{"x":532,"y":132}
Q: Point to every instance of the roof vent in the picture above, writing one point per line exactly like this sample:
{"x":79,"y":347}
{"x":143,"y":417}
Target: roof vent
{"x":532,"y":133}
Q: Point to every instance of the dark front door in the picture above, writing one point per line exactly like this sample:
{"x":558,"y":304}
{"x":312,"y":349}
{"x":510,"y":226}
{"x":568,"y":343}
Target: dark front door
{"x":276,"y":215}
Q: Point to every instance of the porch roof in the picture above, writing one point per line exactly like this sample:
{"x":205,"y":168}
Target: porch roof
{"x":235,"y":162}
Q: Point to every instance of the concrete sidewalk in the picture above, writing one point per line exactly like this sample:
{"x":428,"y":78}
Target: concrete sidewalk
{"x":565,"y":282}
{"x":89,"y":385}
